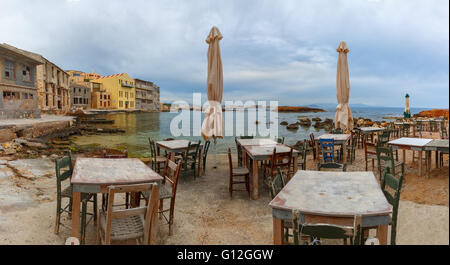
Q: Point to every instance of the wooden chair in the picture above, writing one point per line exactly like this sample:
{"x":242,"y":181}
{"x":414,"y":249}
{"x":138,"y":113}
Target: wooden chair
{"x":156,"y":159}
{"x":332,"y":165}
{"x":205,"y":154}
{"x":443,"y":131}
{"x":405,"y":129}
{"x":327,"y":148}
{"x":134,"y":224}
{"x":281,"y":161}
{"x":301,"y":161}
{"x":190,"y":159}
{"x":168,"y":190}
{"x":337,"y":131}
{"x":312,"y":144}
{"x":246,"y":137}
{"x":370,"y":153}
{"x":351,"y":149}
{"x":419,"y":128}
{"x":328,"y":231}
{"x":385,"y":158}
{"x":280,"y":140}
{"x":383,"y":138}
{"x":391,"y":187}
{"x":236,"y":172}
{"x":105,"y":196}
{"x":64,"y":170}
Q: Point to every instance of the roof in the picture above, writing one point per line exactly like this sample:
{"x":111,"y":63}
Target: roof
{"x":109,"y":76}
{"x":31,"y":56}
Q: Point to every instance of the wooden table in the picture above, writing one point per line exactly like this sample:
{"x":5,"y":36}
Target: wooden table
{"x":260,"y":153}
{"x":413,"y":124}
{"x":94,"y":175}
{"x":437,"y":145}
{"x":332,"y":198}
{"x":180,"y":146}
{"x":339,"y":139}
{"x":413,"y":144}
{"x":369,"y":130}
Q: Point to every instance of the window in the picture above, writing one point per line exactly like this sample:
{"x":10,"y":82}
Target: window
{"x":8,"y":95}
{"x":126,"y":94}
{"x":75,"y":100}
{"x":9,"y":70}
{"x":26,"y":73}
{"x":120,"y":104}
{"x":131,"y":95}
{"x":73,"y":89}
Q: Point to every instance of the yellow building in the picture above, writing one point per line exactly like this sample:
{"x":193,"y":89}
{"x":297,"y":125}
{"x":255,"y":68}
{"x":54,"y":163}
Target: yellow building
{"x":121,"y":87}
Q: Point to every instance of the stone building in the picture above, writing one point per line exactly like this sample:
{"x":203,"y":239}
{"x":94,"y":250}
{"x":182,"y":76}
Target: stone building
{"x":147,"y":95}
{"x":53,"y":87}
{"x":80,"y":95}
{"x":18,"y":95}
{"x":100,"y":98}
{"x":81,"y":77}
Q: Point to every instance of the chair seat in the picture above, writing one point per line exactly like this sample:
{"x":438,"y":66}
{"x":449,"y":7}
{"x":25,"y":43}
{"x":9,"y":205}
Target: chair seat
{"x":124,"y":228}
{"x":238,"y":171}
{"x":68,"y":193}
{"x":160,"y":159}
{"x":165,"y":191}
{"x":396,"y":163}
{"x":371,"y":156}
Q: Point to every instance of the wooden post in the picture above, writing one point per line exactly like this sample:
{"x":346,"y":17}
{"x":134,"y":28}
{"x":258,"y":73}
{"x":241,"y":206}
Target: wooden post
{"x":255,"y":179}
{"x":382,"y":234}
{"x":278,"y":238}
{"x":76,"y":215}
{"x":420,"y":163}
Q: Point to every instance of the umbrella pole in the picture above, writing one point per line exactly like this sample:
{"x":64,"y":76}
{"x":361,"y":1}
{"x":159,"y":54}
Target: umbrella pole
{"x":215,"y":165}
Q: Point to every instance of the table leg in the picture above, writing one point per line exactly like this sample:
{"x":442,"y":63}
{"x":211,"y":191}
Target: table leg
{"x":244,"y":157}
{"x":317,"y":151}
{"x":420,"y":163}
{"x":278,"y":238}
{"x":255,"y":179}
{"x":344,"y":153}
{"x":295,"y":165}
{"x":404,"y":156}
{"x":436,"y":154}
{"x":382,"y":234}
{"x":76,"y":200}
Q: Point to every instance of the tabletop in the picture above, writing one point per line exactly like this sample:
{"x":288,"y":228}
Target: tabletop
{"x":336,"y":137}
{"x":267,"y":150}
{"x":107,"y":171}
{"x":328,"y":193}
{"x":370,"y":129}
{"x":438,"y":143}
{"x":417,"y":142}
{"x":256,"y":141}
{"x":175,"y":144}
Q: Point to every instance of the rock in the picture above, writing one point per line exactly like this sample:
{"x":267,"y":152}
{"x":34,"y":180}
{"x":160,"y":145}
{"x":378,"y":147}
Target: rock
{"x":36,"y":145}
{"x":360,"y":122}
{"x":20,"y":141}
{"x":305,"y":122}
{"x":293,"y":126}
{"x":7,"y":135}
{"x":316,"y":119}
{"x":384,"y":124}
{"x":33,"y":168}
{"x":284,"y":123}
{"x":368,"y":123}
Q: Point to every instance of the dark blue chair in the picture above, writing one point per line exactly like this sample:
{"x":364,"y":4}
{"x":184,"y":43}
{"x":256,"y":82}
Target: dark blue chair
{"x":327,"y":147}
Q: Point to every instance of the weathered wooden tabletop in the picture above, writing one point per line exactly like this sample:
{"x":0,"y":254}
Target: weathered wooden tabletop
{"x":407,"y":141}
{"x":336,"y":137}
{"x":259,"y":152}
{"x":101,"y":171}
{"x":437,"y":144}
{"x":256,"y":141}
{"x":174,"y":144}
{"x":370,"y":129}
{"x":339,"y":194}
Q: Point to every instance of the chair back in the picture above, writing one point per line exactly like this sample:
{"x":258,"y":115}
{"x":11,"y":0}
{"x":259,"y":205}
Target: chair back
{"x":192,"y":151}
{"x":318,"y":230}
{"x":280,"y":140}
{"x":383,"y":138}
{"x":391,"y":187}
{"x":64,"y":170}
{"x":149,"y":212}
{"x":312,"y":144}
{"x":327,"y":147}
{"x":405,"y":129}
{"x":277,"y":183}
{"x":280,"y":160}
{"x":230,"y":162}
{"x":336,"y":131}
{"x":385,"y":155}
{"x":246,"y":137}
{"x":122,"y":155}
{"x":205,"y":150}
{"x":152,"y":148}
{"x":303,"y":152}
{"x":444,"y":134}
{"x":171,"y":173}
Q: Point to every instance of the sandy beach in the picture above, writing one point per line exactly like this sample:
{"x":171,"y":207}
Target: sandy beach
{"x":204,"y":212}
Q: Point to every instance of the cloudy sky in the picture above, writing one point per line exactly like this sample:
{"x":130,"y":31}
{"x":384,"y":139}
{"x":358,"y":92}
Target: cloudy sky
{"x":278,"y":50}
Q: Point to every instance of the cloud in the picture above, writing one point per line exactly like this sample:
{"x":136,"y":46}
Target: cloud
{"x":275,"y":50}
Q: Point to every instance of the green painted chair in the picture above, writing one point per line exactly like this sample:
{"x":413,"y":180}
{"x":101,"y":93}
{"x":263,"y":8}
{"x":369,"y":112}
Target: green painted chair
{"x":332,"y":165}
{"x":383,"y":138}
{"x":190,"y":157}
{"x":64,"y":170}
{"x":351,"y":149}
{"x":280,"y":140}
{"x":318,"y":231}
{"x":391,"y":187}
{"x":205,"y":154}
{"x":385,"y":158}
{"x":156,"y":160}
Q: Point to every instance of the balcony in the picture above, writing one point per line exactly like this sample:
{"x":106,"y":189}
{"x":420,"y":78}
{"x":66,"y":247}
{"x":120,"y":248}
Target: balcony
{"x":127,"y":85}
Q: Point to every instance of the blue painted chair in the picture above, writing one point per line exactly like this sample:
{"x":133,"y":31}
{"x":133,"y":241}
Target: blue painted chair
{"x":327,"y":147}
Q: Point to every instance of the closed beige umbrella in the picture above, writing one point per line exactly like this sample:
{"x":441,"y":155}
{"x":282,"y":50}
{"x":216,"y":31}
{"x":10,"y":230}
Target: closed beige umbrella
{"x":213,"y":123}
{"x":343,"y":118}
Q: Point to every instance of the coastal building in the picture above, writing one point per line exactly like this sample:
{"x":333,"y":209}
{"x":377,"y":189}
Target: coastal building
{"x":121,"y":89}
{"x":147,"y":95}
{"x":18,"y":94}
{"x":81,"y":77}
{"x":100,"y":99}
{"x":80,"y":95}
